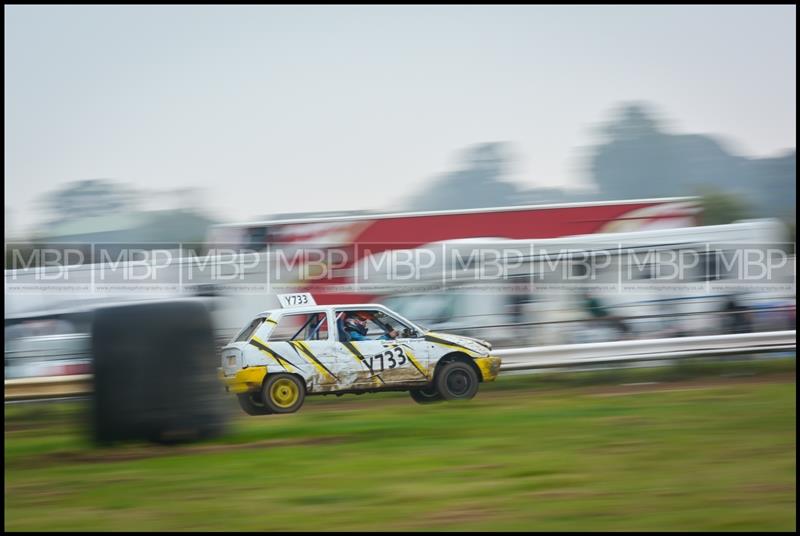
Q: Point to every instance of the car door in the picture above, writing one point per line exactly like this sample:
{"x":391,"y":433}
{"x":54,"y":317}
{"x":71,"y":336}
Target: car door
{"x":376,"y":363}
{"x":356,"y":358}
{"x":303,"y":342}
{"x":416,"y":366}
{"x":411,"y":341}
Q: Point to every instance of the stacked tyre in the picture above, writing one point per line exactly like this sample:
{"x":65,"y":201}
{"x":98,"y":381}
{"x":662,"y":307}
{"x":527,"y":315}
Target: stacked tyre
{"x":155,"y":373}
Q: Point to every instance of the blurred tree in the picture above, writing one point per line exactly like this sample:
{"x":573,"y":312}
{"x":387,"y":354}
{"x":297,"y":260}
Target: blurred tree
{"x":774,"y":184}
{"x":639,"y":158}
{"x":634,"y":121}
{"x":478,"y":183}
{"x":720,"y":207}
{"x":87,"y":198}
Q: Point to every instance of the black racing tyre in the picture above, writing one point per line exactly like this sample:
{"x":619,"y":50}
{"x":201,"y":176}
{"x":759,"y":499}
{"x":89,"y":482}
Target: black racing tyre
{"x":283,"y":393}
{"x":426,"y":395}
{"x":252,"y":404}
{"x":456,"y":381}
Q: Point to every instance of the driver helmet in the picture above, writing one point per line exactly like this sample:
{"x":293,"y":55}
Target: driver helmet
{"x":356,"y":322}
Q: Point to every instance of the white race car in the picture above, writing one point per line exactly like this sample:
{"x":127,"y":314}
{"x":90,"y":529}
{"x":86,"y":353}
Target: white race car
{"x":285,"y":354}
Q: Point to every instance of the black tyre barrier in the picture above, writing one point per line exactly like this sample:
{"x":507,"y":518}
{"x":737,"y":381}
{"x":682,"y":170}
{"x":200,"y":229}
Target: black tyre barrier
{"x":155,"y":373}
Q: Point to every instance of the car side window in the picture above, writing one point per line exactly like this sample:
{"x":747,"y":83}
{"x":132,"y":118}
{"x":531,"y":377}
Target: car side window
{"x":374,"y":330}
{"x":377,"y":323}
{"x":301,"y":327}
{"x":247,"y":332}
{"x":403,"y":329}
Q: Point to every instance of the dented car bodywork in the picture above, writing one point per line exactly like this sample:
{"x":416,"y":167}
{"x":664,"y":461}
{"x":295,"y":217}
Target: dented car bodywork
{"x":331,"y":365}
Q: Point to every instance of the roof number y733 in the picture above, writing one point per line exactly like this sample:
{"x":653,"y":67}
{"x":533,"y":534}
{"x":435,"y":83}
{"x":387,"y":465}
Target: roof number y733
{"x":293,"y":300}
{"x":297,"y":299}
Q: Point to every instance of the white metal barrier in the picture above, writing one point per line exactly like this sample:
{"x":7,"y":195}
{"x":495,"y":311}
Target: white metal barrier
{"x":570,"y":355}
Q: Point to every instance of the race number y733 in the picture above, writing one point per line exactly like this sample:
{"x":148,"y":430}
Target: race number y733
{"x":389,"y":359}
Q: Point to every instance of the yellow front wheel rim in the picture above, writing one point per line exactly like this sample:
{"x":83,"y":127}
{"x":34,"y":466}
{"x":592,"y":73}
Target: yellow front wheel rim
{"x":284,"y":393}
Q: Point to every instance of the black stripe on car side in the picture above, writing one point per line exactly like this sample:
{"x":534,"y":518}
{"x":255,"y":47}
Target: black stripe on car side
{"x":306,"y":351}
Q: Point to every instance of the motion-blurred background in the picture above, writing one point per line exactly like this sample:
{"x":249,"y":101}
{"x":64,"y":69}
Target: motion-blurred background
{"x":361,"y":131}
{"x":192,"y":130}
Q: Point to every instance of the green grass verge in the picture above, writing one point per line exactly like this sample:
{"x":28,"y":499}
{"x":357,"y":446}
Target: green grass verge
{"x":529,"y":453}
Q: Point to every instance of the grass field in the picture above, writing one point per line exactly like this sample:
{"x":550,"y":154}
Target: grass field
{"x":567,"y":452}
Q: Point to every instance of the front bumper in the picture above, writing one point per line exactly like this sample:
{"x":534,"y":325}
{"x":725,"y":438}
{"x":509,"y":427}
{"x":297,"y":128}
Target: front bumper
{"x":245,"y":380}
{"x":489,"y":367}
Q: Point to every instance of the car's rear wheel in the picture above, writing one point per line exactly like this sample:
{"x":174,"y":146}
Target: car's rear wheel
{"x":457,"y":381}
{"x":252,"y":404}
{"x":426,"y":395}
{"x":283,"y":393}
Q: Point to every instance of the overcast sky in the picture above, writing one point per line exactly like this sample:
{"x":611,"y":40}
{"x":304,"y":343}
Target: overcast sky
{"x":292,"y":108}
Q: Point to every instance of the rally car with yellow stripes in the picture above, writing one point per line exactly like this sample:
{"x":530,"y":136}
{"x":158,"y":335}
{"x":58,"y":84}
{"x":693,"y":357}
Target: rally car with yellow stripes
{"x":285,"y":354}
